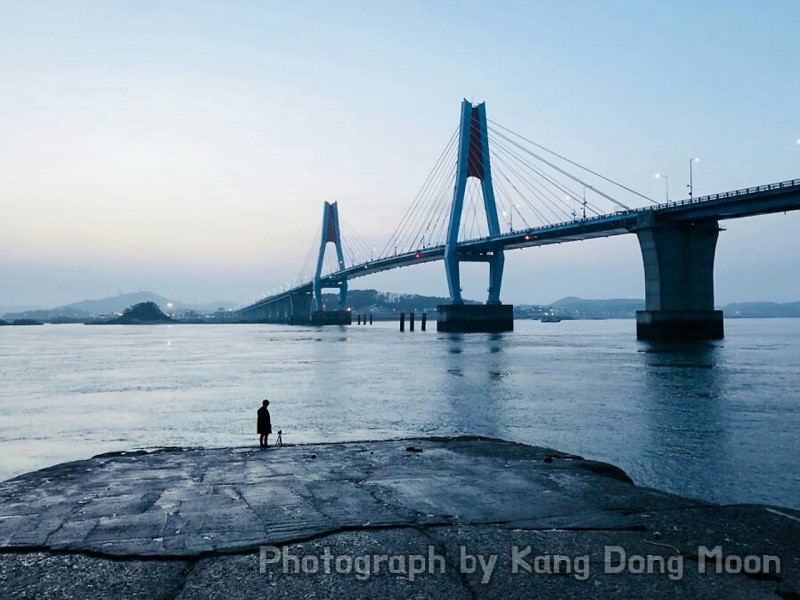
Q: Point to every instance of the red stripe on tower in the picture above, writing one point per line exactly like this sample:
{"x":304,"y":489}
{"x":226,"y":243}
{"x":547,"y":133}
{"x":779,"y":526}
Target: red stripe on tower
{"x":475,"y":155}
{"x":331,"y":233}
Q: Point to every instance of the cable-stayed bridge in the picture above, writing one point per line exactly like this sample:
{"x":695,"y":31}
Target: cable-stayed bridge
{"x":493,"y":190}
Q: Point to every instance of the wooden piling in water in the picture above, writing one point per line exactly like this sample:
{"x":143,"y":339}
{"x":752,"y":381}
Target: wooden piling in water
{"x":411,"y":316}
{"x":402,"y":321}
{"x":424,"y":320}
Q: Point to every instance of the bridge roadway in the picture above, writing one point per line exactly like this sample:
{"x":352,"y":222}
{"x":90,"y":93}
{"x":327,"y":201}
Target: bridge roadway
{"x":765,"y":199}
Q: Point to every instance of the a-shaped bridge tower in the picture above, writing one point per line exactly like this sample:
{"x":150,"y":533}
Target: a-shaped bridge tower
{"x":331,"y":234}
{"x":473,"y":161}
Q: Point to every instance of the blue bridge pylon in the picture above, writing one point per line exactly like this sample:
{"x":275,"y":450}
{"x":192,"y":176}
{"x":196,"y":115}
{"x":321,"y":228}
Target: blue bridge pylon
{"x":331,"y":234}
{"x":473,"y":161}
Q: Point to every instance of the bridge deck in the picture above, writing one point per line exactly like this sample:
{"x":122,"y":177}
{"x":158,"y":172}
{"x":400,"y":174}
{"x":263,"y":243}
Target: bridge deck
{"x":764,"y":199}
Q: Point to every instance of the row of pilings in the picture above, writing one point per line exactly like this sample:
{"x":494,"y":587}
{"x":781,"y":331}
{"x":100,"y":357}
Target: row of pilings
{"x":362,"y":320}
{"x":411,"y":319}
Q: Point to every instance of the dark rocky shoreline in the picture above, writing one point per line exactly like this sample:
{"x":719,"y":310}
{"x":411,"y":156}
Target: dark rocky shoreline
{"x":188,"y":523}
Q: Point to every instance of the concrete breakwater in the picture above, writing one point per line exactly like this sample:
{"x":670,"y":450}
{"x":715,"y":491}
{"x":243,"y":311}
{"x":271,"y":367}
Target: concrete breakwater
{"x":432,"y":517}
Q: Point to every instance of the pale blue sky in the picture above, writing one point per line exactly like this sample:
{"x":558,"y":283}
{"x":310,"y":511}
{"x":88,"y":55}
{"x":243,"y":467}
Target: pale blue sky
{"x":187,"y":147}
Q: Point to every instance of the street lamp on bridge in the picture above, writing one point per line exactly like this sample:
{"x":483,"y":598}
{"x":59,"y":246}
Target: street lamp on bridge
{"x":666,"y":182}
{"x":691,"y":183}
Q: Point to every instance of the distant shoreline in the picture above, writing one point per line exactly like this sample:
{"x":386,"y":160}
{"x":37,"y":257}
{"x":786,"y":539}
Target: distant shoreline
{"x":380,"y":306}
{"x":376,"y":319}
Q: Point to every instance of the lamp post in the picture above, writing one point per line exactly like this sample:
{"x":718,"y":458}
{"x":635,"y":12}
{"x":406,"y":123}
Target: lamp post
{"x":666,"y":182}
{"x":584,"y":203}
{"x":691,"y":183}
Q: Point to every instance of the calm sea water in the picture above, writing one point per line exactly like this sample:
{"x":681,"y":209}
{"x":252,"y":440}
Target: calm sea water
{"x":717,"y":421}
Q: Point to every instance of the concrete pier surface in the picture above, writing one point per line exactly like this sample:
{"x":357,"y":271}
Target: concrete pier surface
{"x":475,"y":318}
{"x":462,"y":517}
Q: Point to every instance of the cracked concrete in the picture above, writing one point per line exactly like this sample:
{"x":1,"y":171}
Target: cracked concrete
{"x":188,"y":523}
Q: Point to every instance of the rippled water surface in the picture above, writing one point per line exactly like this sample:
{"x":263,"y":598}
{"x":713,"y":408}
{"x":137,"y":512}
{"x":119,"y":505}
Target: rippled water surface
{"x":717,"y":421}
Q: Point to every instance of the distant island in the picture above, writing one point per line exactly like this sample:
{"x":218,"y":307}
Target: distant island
{"x":92,"y":311}
{"x":381,"y":305}
{"x":20,"y":322}
{"x":144,"y":313}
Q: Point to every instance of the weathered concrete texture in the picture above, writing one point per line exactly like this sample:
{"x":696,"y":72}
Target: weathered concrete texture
{"x":48,"y":575}
{"x":188,"y":524}
{"x":189,"y":502}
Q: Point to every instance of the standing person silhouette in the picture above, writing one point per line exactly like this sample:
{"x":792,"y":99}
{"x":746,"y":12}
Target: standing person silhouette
{"x":264,"y":425}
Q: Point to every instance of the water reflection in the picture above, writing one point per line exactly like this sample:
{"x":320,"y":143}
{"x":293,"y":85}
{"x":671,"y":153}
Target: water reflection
{"x":685,"y":412}
{"x":473,"y":386}
{"x":716,"y":421}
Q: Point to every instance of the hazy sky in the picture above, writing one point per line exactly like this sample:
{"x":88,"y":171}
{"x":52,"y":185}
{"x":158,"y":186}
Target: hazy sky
{"x":186,"y":148}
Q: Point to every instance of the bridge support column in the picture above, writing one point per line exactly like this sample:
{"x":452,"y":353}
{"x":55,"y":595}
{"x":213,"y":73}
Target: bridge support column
{"x":284,"y":310}
{"x":331,"y":233}
{"x":679,"y":281}
{"x":473,"y":161}
{"x":300,"y":308}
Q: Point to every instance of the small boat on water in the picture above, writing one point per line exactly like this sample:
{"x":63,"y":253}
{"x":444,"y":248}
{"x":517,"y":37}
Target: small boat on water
{"x":550,"y":319}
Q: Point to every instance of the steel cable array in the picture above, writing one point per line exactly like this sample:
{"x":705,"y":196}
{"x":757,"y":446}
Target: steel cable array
{"x":533,"y":187}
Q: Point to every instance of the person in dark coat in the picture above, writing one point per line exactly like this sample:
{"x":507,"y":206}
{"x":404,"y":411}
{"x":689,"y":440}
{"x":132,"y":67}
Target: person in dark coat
{"x":264,"y":424}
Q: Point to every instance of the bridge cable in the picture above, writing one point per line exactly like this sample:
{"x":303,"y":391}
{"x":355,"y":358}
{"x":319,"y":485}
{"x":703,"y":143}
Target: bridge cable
{"x":569,"y":192}
{"x":358,"y":243}
{"x":412,"y":212}
{"x":439,"y":204}
{"x":624,"y":187}
{"x":498,"y":181}
{"x":563,"y":172}
{"x":572,"y":193}
{"x":432,"y":206}
{"x":445,"y":202}
{"x":536,"y":189}
{"x":542,"y":218}
{"x":401,"y":226}
{"x":308,"y":265}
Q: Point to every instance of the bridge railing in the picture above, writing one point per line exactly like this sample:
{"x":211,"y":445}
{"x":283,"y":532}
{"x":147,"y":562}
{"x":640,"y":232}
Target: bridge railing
{"x":634,"y":211}
{"x":726,"y":195}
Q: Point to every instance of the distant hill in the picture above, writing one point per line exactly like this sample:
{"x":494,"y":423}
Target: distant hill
{"x":615,"y":308}
{"x":143,"y":313}
{"x":386,"y":303}
{"x":16,"y":308}
{"x":114,"y":304}
{"x":762,"y":309}
{"x":52,"y":315}
{"x":90,"y":309}
{"x":121,"y":302}
{"x":621,"y":308}
{"x":383,"y":302}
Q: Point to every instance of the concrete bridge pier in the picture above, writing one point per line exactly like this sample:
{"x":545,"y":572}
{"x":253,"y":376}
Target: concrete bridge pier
{"x":285,"y":309}
{"x":679,"y":280}
{"x":300,"y":308}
